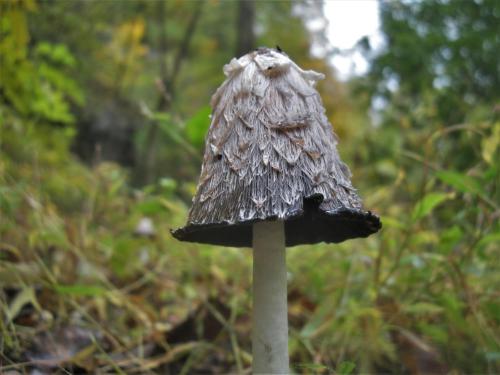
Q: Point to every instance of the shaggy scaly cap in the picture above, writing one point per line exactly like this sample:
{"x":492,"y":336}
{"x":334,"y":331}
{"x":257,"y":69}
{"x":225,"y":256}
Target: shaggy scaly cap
{"x":270,"y":154}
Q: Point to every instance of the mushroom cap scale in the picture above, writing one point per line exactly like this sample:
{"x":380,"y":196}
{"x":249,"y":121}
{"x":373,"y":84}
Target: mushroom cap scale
{"x":270,"y":154}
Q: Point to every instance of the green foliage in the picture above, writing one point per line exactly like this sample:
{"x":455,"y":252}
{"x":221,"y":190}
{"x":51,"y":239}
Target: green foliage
{"x":345,"y":368}
{"x":448,"y":50}
{"x":197,"y":126}
{"x":435,"y":182}
{"x":34,"y":80}
{"x":427,"y":204}
{"x":80,"y":246}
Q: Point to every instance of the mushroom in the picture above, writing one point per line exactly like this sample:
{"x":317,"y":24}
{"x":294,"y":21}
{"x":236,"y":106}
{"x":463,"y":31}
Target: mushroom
{"x":272,"y":177}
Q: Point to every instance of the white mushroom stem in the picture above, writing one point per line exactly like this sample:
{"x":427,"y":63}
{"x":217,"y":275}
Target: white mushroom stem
{"x":270,"y":319}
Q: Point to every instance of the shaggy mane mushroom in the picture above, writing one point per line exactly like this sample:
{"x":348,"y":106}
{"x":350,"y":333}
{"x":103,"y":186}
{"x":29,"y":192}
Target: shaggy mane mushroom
{"x":271,"y":177}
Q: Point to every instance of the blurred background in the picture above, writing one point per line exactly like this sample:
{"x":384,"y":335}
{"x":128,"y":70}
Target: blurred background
{"x":103,"y":112}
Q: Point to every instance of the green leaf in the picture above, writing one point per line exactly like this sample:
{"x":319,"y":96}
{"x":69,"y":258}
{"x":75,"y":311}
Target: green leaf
{"x":318,"y":318}
{"x":391,"y":222}
{"x":437,"y":333}
{"x":80,"y":290}
{"x":492,"y":308}
{"x":420,"y":308}
{"x":197,"y":126}
{"x":168,"y":185}
{"x":460,"y":182}
{"x":490,"y":238}
{"x":427,"y":204}
{"x":345,"y":368}
{"x":150,"y":207}
{"x":450,"y":238}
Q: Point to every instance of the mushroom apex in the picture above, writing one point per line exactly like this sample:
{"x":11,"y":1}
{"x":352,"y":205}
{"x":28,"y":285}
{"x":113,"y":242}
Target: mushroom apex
{"x":269,"y":60}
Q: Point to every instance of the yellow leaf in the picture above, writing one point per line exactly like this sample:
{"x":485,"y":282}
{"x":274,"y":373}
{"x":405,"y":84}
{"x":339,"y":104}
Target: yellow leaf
{"x":490,"y":144}
{"x":27,"y":295}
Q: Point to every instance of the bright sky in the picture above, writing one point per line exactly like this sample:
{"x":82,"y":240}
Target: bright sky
{"x":349,"y":21}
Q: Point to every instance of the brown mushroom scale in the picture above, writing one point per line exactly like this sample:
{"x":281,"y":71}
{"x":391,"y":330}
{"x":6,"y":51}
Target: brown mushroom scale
{"x":270,"y":154}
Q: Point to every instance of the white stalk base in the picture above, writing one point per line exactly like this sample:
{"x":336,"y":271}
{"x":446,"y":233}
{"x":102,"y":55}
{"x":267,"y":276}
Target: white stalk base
{"x":270,"y":319}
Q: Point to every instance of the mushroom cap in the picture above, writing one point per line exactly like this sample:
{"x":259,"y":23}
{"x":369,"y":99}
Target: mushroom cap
{"x":270,"y":154}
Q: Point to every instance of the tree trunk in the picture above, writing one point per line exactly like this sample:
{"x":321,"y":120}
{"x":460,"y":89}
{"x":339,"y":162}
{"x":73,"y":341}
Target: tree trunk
{"x":246,"y":36}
